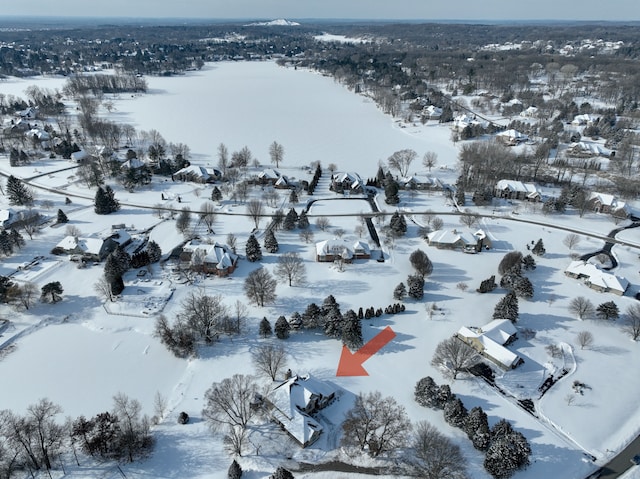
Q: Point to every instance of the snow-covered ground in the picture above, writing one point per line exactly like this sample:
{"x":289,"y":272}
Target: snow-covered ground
{"x":79,"y":355}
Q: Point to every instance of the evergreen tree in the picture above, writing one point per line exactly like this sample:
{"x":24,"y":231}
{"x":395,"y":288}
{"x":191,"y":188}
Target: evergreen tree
{"x":154,"y":251}
{"x":282,"y":473}
{"x":508,"y":451}
{"x":6,"y":245}
{"x":538,"y":249}
{"x":391,"y":190}
{"x":477,"y":428}
{"x":400,"y":292}
{"x":352,"y":331}
{"x":295,"y":321}
{"x":397,"y":224}
{"x":18,"y":193}
{"x":253,"y":251}
{"x":455,"y":413}
{"x":608,"y":310}
{"x":282,"y":328}
{"x":17,"y":239}
{"x":333,"y":323}
{"x":380,"y":177}
{"x":52,"y":289}
{"x":265,"y":328}
{"x":270,"y":241}
{"x":105,"y":202}
{"x":216,"y":194}
{"x":487,"y":285}
{"x":290,"y":220}
{"x":140,"y":259}
{"x":62,"y":218}
{"x":507,"y":308}
{"x":415,"y":283}
{"x":303,"y":221}
{"x":444,"y":396}
{"x":293,"y":197}
{"x":426,"y":393}
{"x":235,"y":471}
{"x":312,"y":316}
{"x":520,"y":285}
{"x":528,"y":263}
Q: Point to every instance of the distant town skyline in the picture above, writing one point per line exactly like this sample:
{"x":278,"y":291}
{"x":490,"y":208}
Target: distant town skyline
{"x":570,"y":10}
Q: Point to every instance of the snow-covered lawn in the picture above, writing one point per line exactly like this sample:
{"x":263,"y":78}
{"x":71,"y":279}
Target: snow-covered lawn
{"x":79,"y":355}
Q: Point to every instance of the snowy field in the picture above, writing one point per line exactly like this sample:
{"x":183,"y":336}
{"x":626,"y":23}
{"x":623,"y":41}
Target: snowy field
{"x":79,"y":355}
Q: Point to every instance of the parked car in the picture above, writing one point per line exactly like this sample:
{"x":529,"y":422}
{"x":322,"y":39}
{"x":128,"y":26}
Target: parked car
{"x":635,"y":459}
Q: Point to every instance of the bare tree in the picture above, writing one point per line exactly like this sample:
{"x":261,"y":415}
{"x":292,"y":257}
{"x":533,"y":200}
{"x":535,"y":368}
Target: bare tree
{"x":223,"y":158}
{"x":269,"y":359}
{"x":582,"y":307}
{"x":631,"y":323}
{"x":436,"y":456}
{"x":228,"y":403}
{"x":238,"y":317}
{"x":23,"y":296}
{"x":571,"y":240}
{"x":183,"y":222}
{"x":429,"y":160}
{"x":103,"y":288}
{"x":291,"y":268}
{"x":437,"y":223}
{"x":376,"y":423}
{"x":401,"y":160}
{"x":260,"y":287}
{"x":208,"y":215}
{"x":359,"y":230}
{"x":72,"y":230}
{"x":323,"y":223}
{"x":585,"y":339}
{"x":276,"y":152}
{"x":205,"y":316}
{"x":30,"y":222}
{"x":232,"y":242}
{"x":306,"y":236}
{"x":428,"y":216}
{"x":469,"y":219}
{"x":453,"y":356}
{"x":255,"y":210}
{"x":134,"y":437}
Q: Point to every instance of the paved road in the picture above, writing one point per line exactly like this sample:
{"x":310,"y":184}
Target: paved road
{"x":621,"y":463}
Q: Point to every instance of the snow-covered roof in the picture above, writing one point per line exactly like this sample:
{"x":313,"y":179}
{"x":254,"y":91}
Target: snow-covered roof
{"x":341,"y":247}
{"x":607,"y":200}
{"x":193,"y":171}
{"x":589,"y":147}
{"x":531,"y":111}
{"x":6,"y":215}
{"x":422,"y":180}
{"x":514,"y":135}
{"x":86,"y":245}
{"x":133,"y":163}
{"x":79,"y":155}
{"x":584,"y":119}
{"x":120,"y":236}
{"x":597,"y":277}
{"x":291,"y":398}
{"x":452,"y":237}
{"x":519,"y":186}
{"x":219,"y":254}
{"x":269,"y":174}
{"x":492,"y":338}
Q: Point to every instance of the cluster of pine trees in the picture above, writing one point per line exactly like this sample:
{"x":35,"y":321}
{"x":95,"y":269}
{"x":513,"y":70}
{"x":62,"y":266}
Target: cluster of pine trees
{"x":506,"y":450}
{"x":314,"y":181}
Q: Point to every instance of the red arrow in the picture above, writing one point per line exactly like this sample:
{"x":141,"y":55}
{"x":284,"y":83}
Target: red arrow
{"x":351,"y":363}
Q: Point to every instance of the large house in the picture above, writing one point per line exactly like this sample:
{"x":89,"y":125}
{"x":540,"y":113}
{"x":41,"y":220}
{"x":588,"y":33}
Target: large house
{"x":294,"y":403}
{"x":197,"y":174}
{"x":343,"y":182}
{"x":597,"y":279}
{"x":606,"y":203}
{"x":93,"y":249}
{"x":511,"y":137}
{"x":207,"y":258}
{"x":459,"y":240}
{"x":490,"y":342}
{"x":338,"y":249}
{"x":416,"y":182}
{"x":517,"y":190}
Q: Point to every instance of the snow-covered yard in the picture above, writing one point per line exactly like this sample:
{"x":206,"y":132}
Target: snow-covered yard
{"x":80,"y":352}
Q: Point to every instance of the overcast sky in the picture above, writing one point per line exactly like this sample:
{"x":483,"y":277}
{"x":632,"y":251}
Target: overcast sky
{"x":627,"y":10}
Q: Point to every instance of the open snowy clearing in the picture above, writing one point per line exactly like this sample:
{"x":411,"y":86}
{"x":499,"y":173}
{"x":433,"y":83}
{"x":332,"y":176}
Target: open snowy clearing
{"x":82,"y":362}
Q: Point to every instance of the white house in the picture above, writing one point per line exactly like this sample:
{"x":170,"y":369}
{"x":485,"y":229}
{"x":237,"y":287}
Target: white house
{"x":517,"y":190}
{"x":597,"y":279}
{"x":214,"y":258}
{"x":511,"y":137}
{"x":333,"y":249}
{"x":491,"y":340}
{"x":462,"y":240}
{"x":294,"y":404}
